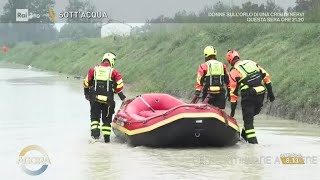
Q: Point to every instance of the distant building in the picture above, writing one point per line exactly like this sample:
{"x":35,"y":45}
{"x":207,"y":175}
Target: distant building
{"x":115,"y":29}
{"x":120,"y":29}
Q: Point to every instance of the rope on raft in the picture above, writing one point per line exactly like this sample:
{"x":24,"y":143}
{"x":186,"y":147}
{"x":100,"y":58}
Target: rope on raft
{"x":125,"y":103}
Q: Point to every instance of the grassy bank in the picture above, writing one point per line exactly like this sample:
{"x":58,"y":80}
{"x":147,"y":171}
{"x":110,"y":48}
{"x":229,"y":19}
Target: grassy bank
{"x":166,"y":60}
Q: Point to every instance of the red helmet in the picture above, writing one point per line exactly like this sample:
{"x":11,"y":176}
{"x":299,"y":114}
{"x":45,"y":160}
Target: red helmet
{"x":231,"y":54}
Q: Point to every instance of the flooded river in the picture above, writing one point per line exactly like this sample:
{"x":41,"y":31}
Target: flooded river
{"x":44,"y":109}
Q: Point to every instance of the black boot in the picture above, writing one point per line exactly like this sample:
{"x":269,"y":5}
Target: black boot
{"x":250,"y":135}
{"x":95,"y":133}
{"x":106,"y":139}
{"x":243,"y":135}
{"x":253,"y":140}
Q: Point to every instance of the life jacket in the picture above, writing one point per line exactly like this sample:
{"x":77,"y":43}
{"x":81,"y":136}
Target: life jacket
{"x":214,"y":77}
{"x":103,"y":83}
{"x":251,"y":76}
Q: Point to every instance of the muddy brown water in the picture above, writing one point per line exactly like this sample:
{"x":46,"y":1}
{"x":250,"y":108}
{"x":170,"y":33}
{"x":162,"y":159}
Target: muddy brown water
{"x":49,"y":110}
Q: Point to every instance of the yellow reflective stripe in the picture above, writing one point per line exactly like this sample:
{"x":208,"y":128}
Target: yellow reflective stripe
{"x":95,"y":127}
{"x":106,"y":132}
{"x":120,"y":85}
{"x":86,"y":82}
{"x":233,"y":97}
{"x":198,"y":78}
{"x":266,"y":79}
{"x":244,"y":87}
{"x":102,"y":98}
{"x":243,"y":74}
{"x":250,"y":131}
{"x":259,"y":89}
{"x":232,"y":92}
{"x":105,"y":128}
{"x":214,"y":88}
{"x":251,"y":136}
{"x":175,"y":118}
{"x":95,"y":122}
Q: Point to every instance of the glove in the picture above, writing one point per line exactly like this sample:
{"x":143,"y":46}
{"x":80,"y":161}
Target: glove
{"x":228,"y":94}
{"x":194,"y":99}
{"x":233,"y":108}
{"x":86,"y":91}
{"x":121,"y":96}
{"x":270,"y":95}
{"x":197,"y":93}
{"x":87,"y":96}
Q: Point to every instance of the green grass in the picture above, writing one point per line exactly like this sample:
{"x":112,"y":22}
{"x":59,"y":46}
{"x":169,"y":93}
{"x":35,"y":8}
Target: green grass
{"x":167,"y":61}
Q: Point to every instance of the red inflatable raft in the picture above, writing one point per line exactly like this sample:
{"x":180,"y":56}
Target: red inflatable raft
{"x":160,"y":120}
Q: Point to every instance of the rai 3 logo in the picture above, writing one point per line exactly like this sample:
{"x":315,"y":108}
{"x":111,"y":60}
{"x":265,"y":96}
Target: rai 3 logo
{"x":23,"y":15}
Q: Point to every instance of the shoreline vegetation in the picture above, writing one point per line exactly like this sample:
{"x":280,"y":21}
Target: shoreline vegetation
{"x":166,"y":59}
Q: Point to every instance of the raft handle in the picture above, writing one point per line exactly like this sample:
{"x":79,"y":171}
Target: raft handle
{"x":197,"y":134}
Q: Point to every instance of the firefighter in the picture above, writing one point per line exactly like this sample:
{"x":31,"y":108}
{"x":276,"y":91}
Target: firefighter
{"x":252,"y":81}
{"x":211,"y":78}
{"x":100,"y":85}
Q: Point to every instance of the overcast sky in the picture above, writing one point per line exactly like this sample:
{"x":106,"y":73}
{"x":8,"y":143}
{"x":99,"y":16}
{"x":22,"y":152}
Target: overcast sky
{"x":138,"y":11}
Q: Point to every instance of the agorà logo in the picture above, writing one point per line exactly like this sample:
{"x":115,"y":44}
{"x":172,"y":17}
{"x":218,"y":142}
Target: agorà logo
{"x":33,"y":160}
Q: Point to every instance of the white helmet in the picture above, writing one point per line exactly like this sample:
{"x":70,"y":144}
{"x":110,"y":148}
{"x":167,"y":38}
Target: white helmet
{"x":111,"y":57}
